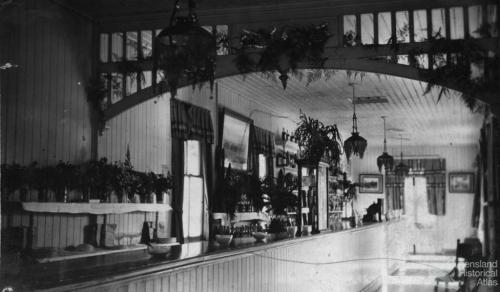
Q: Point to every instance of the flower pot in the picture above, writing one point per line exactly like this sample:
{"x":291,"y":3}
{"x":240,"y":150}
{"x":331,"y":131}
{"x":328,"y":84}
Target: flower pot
{"x":223,"y":239}
{"x":260,"y":236}
{"x":306,"y":229}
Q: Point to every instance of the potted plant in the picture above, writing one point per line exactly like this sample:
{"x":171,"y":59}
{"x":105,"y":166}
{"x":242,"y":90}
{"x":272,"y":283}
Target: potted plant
{"x":162,"y":185}
{"x":224,"y":235}
{"x":252,"y":186}
{"x":95,"y":173}
{"x":318,"y":141}
{"x":281,"y":193}
{"x":12,"y":181}
{"x":230,"y":189}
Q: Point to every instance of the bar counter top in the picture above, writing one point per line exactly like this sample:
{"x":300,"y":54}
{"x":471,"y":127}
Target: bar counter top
{"x":24,"y":275}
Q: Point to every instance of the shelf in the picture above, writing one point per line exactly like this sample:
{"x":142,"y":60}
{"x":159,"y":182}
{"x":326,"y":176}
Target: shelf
{"x":61,"y":255}
{"x":93,"y":208}
{"x":249,"y":216}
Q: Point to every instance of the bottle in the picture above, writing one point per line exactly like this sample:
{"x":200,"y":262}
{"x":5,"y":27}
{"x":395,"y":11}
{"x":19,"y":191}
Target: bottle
{"x":279,"y":159}
{"x":283,"y":135}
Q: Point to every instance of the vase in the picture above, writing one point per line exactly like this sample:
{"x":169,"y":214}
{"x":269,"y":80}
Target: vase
{"x":291,"y":231}
{"x":113,"y":198}
{"x":152,"y":198}
{"x":124,"y":197}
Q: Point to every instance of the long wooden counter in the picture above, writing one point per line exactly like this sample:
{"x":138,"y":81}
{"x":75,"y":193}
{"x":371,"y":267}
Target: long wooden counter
{"x":281,"y":265}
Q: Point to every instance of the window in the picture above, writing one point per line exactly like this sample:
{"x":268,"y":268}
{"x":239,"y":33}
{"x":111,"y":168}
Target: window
{"x":192,"y":217}
{"x":146,"y":43}
{"x":438,"y":23}
{"x":402,"y":27}
{"x":420,"y":25}
{"x":367,"y":29}
{"x":131,"y":45}
{"x":116,"y":47}
{"x":350,"y":34}
{"x":221,"y":38}
{"x":492,"y":19}
{"x":384,"y":28}
{"x":116,"y":87}
{"x":262,"y":166}
{"x":475,"y":20}
{"x":456,"y":23}
{"x":104,"y":45}
{"x":131,"y":82}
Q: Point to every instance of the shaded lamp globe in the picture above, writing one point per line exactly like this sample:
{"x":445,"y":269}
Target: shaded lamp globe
{"x":355,"y":145}
{"x":385,"y":160}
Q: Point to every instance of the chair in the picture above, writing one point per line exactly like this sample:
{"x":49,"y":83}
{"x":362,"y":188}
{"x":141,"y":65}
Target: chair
{"x":454,"y":276}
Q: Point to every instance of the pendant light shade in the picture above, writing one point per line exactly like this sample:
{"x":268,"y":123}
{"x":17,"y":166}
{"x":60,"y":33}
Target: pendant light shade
{"x":402,"y":169}
{"x":184,"y":50}
{"x":355,"y":145}
{"x":385,"y":160}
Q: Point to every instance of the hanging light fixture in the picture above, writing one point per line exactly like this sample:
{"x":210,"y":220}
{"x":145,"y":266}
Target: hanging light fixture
{"x":355,"y":145}
{"x":185,"y":50}
{"x":385,"y":159}
{"x":402,"y":169}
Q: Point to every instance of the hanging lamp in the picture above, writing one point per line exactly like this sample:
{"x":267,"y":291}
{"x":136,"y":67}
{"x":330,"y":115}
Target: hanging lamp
{"x":385,"y":159}
{"x":402,"y":169}
{"x":185,"y":50}
{"x":355,"y":145}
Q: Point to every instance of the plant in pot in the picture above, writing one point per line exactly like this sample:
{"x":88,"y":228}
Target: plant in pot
{"x":231,"y":189}
{"x":253,"y":188}
{"x":318,"y":141}
{"x":96,"y":177}
{"x":281,"y":199}
{"x":162,"y":185}
{"x":12,"y":181}
{"x":66,"y":180}
{"x":224,"y":235}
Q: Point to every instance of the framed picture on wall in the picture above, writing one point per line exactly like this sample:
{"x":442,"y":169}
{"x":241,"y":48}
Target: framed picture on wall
{"x":461,"y":182}
{"x":235,"y":139}
{"x":371,"y":183}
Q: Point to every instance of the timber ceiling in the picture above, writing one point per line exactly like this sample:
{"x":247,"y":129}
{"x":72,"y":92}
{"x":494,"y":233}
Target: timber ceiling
{"x":418,"y":117}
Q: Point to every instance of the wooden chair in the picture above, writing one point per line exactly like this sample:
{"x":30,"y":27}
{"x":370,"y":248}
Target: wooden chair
{"x":455,"y":276}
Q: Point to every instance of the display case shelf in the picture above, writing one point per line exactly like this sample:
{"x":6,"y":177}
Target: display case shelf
{"x":92,"y":208}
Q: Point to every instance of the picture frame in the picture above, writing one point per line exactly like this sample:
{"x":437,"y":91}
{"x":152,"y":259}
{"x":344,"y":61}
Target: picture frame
{"x":235,"y":139}
{"x":461,"y":182}
{"x":371,"y":183}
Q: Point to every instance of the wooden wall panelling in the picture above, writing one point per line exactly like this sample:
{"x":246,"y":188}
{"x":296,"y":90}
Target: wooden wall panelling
{"x":45,"y":106}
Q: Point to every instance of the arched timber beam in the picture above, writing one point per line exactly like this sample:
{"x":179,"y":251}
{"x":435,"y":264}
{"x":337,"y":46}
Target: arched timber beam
{"x":351,"y":58}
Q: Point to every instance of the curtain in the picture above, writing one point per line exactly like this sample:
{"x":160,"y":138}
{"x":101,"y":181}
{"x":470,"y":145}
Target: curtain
{"x":434,"y":170}
{"x":436,"y":193}
{"x":189,"y":122}
{"x":394,"y":186}
{"x":206,"y":167}
{"x":261,"y":142}
{"x":178,"y":187}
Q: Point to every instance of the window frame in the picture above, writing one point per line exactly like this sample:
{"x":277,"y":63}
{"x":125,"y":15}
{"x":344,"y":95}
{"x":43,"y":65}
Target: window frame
{"x":187,"y":175}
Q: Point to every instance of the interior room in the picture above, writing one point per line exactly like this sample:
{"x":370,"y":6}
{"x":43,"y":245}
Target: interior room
{"x":249,"y":145}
